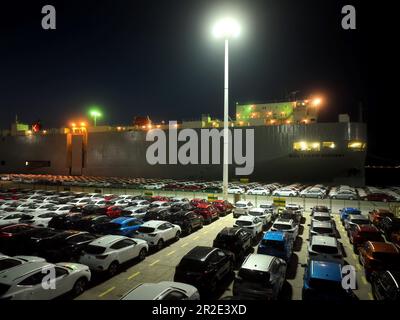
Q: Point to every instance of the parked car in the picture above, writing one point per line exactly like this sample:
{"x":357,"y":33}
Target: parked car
{"x":263,"y":214}
{"x":64,"y":246}
{"x":323,"y":228}
{"x":379,"y":197}
{"x":236,"y":190}
{"x":388,"y":225}
{"x":204,"y":268}
{"x":285,"y":192}
{"x":377,"y":256}
{"x":40,"y":219}
{"x":353,"y":220}
{"x":375,"y":216}
{"x":260,"y":277}
{"x":386,"y":285}
{"x":187,"y":221}
{"x":319,"y":208}
{"x":157,"y":233}
{"x":291,"y":215}
{"x":252,"y":224}
{"x":360,"y":234}
{"x":224,"y":207}
{"x":157,"y":214}
{"x":345,"y":194}
{"x":242,"y":208}
{"x":326,"y":247}
{"x":88,"y":223}
{"x":65,"y":221}
{"x":207,"y":211}
{"x":278,"y":244}
{"x":395,"y":238}
{"x":123,"y":226}
{"x":261,"y":191}
{"x":345,"y":212}
{"x":313,"y":193}
{"x":323,"y":281}
{"x":25,"y":282}
{"x":7,"y":263}
{"x":235,"y":240}
{"x":286,"y":225}
{"x":108,"y":253}
{"x":165,"y":290}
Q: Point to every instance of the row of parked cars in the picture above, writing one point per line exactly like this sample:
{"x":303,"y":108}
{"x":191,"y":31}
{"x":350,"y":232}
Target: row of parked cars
{"x":84,"y":231}
{"x":272,"y":189}
{"x":375,"y":238}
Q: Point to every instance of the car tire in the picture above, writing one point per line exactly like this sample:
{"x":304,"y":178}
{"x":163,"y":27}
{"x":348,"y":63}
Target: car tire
{"x":160,"y":244}
{"x":177,"y":235}
{"x":142,"y":254}
{"x":79,"y":286}
{"x":113,"y":268}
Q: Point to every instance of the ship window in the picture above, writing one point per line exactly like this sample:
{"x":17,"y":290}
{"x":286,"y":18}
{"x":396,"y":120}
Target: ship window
{"x":328,"y":145}
{"x":356,"y":145}
{"x":306,"y":146}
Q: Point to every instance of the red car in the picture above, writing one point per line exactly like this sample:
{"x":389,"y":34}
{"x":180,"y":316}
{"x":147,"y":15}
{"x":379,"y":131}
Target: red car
{"x":223,"y":207}
{"x":208,"y":212}
{"x":375,"y":216}
{"x":360,"y":234}
{"x":381,"y":197}
{"x":159,"y":198}
{"x":377,"y":256}
{"x":196,"y":201}
{"x":114,"y":211}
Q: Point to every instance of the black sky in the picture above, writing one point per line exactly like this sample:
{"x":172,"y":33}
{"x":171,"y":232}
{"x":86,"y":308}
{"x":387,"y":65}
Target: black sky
{"x":157,"y":58}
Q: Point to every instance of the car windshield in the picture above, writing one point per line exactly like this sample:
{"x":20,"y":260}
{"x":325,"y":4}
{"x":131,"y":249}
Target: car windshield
{"x":325,"y":285}
{"x":325,"y":249}
{"x":192,"y":265}
{"x":265,"y":206}
{"x":243,"y":223}
{"x":240,"y":205}
{"x":146,"y":230}
{"x":254,"y":275}
{"x":92,"y":249}
{"x":321,"y":230}
{"x":282,"y":226}
{"x":8,"y":263}
{"x":277,"y":245}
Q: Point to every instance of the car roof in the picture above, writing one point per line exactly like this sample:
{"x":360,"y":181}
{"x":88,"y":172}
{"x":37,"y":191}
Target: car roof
{"x":107,"y":240}
{"x":274,"y":235}
{"x":322,"y":224}
{"x":384,"y":247}
{"x":358,"y":217}
{"x":351,"y":209}
{"x":324,"y":241}
{"x":325,"y":270}
{"x":242,"y":202}
{"x":153,"y":223}
{"x":246,"y":218}
{"x":321,"y":214}
{"x":151,"y":291}
{"x":199,"y":253}
{"x":122,"y":220}
{"x":230,"y":231}
{"x":11,"y":275}
{"x":368,"y":228}
{"x":284,"y":221}
{"x":258,"y":262}
{"x":258,"y":210}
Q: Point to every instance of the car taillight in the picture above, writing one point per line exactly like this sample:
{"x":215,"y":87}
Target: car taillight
{"x":102,"y":257}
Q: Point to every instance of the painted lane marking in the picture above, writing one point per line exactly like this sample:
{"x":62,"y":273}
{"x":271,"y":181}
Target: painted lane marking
{"x":153,"y":263}
{"x":172,"y":252}
{"x":184,"y":245}
{"x":196,"y":238}
{"x":364,"y":280}
{"x":106,"y":292}
{"x":134,"y":275}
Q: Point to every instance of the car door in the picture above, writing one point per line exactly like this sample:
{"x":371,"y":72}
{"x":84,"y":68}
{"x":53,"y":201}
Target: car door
{"x":245,"y":239}
{"x":124,"y":249}
{"x":221,"y":262}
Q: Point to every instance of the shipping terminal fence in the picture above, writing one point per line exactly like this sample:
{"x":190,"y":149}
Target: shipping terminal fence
{"x":306,"y":203}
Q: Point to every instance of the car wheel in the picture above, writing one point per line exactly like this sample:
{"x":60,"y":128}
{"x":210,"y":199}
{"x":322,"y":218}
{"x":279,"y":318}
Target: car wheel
{"x":113,"y":268}
{"x":160,"y":244}
{"x":177,"y":235}
{"x":264,"y":194}
{"x":142,"y":254}
{"x":79,"y":286}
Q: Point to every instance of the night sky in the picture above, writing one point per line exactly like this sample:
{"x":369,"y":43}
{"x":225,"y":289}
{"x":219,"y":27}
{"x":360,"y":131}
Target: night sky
{"x":158,"y":58}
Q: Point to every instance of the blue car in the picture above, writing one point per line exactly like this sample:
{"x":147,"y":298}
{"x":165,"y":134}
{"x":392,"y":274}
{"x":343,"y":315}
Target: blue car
{"x":123,"y":226}
{"x":345,"y":212}
{"x":323,"y":281}
{"x":278,"y":244}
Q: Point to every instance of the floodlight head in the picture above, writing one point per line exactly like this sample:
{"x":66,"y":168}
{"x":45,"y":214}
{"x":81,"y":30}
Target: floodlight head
{"x":226,"y":28}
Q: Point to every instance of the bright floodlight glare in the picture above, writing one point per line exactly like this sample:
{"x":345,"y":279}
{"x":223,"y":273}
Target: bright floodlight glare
{"x":95,"y":113}
{"x":226,"y":28}
{"x":317,"y":101}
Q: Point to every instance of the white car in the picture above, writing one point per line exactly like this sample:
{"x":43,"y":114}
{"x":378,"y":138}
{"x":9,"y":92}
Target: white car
{"x":313,"y":193}
{"x":264,"y":214}
{"x":235,"y":190}
{"x":29,"y":280}
{"x":157,"y":233}
{"x":137,"y":212}
{"x":39,"y":219}
{"x":80,"y":201}
{"x":242,"y":208}
{"x":328,"y":247}
{"x":7,"y":263}
{"x":251,"y":224}
{"x":140,"y":203}
{"x":160,"y":204}
{"x":259,"y":191}
{"x":165,"y":290}
{"x":286,"y":225}
{"x":154,"y":186}
{"x":107,"y":253}
{"x":122,"y":203}
{"x":285,"y":192}
{"x":45,"y":207}
{"x":61,"y":209}
{"x":11,"y":218}
{"x":294,"y":207}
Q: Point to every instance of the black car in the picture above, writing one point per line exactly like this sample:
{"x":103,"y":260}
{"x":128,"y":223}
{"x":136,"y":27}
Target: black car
{"x":188,"y":221}
{"x":91,"y":209}
{"x":64,"y":246}
{"x":27,"y":243}
{"x":89,"y":223}
{"x":291,"y":215}
{"x":182,"y":207}
{"x":204,"y":268}
{"x":236,"y":240}
{"x":386,"y":285}
{"x":388,"y":225}
{"x":65,"y":221}
{"x":158,"y":214}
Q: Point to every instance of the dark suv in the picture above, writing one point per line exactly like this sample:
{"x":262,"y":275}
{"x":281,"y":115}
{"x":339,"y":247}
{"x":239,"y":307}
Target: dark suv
{"x":204,"y":268}
{"x":388,"y":225}
{"x":188,"y":221}
{"x":236,"y":240}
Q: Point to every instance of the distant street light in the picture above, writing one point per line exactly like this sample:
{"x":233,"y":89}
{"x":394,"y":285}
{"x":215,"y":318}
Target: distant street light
{"x":95,"y":114}
{"x":317,"y":101}
{"x":226,"y":28}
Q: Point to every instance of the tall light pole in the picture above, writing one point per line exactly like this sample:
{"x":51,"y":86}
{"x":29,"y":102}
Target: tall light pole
{"x":95,"y":114}
{"x":226,"y":29}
